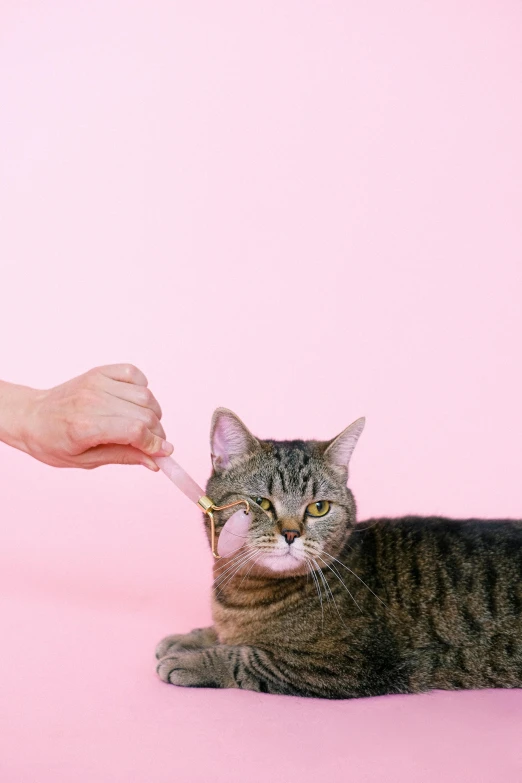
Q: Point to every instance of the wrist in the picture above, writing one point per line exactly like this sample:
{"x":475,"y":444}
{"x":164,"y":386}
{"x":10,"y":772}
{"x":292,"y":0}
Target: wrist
{"x":16,"y":406}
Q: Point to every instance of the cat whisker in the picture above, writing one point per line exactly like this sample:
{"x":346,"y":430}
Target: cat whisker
{"x":228,"y":561}
{"x":334,"y":572}
{"x":222,"y":569}
{"x":356,"y":576}
{"x":267,"y":547}
{"x":331,"y":593}
{"x":248,"y":572}
{"x":232,"y":566}
{"x":229,"y":577}
{"x":357,"y":528}
{"x":229,"y":558}
{"x":316,"y":582}
{"x":320,"y":572}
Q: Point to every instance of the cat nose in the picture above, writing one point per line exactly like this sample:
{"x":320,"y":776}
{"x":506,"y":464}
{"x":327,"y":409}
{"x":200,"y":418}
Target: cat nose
{"x":290,"y":535}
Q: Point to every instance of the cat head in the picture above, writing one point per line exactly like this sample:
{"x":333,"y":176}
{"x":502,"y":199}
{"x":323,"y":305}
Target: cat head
{"x":301,"y":508}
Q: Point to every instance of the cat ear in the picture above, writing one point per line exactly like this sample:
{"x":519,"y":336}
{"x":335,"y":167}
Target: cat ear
{"x":340,"y":449}
{"x":229,"y":439}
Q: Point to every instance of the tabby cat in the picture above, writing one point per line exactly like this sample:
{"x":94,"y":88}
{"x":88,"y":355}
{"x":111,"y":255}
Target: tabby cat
{"x":314,"y":604}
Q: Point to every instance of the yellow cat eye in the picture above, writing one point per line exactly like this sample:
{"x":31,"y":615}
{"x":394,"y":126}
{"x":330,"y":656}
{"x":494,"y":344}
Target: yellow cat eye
{"x":264,"y":503}
{"x":318,"y":509}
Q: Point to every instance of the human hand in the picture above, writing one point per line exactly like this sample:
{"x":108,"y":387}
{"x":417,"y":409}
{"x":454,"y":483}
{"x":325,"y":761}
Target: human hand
{"x":107,"y":415}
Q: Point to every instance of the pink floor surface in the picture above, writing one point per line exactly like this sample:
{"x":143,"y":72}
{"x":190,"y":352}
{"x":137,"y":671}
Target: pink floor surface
{"x":81,"y":609}
{"x":80,"y":702}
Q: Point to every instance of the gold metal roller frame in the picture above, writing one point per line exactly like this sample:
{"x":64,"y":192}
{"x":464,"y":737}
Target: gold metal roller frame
{"x":208,"y":507}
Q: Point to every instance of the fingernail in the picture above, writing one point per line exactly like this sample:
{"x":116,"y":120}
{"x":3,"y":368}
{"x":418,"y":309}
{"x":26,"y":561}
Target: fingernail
{"x":166,"y":448}
{"x":151,"y":466}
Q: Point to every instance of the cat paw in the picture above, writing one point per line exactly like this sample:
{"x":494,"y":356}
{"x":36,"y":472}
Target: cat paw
{"x":177,"y":641}
{"x":195,"y":640}
{"x":187,"y":669}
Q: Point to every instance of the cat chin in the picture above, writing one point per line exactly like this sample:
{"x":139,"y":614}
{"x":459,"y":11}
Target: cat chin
{"x":281,"y":563}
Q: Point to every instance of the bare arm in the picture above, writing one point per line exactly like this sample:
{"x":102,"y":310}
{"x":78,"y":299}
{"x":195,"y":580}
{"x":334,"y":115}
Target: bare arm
{"x":107,"y":415}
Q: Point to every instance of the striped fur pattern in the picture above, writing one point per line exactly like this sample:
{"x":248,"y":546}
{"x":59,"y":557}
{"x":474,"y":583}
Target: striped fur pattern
{"x":347,"y":610}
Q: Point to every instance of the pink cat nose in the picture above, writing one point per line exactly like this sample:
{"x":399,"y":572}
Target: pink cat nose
{"x":290,"y":535}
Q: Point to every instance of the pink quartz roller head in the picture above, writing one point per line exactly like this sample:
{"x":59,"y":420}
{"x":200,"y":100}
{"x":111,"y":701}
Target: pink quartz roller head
{"x":234,"y":533}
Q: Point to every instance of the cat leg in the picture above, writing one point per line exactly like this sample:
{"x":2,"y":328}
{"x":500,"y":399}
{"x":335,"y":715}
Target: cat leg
{"x":223,"y":666}
{"x":195,"y":640}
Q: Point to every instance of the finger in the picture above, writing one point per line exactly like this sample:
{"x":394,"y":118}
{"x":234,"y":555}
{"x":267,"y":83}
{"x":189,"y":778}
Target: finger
{"x":115,"y":455}
{"x":115,"y":406}
{"x":126,"y":373}
{"x":139,"y":395}
{"x":126,"y":432}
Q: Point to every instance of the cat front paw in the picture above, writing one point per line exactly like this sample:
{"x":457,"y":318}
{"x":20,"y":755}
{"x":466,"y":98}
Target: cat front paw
{"x":177,"y":641}
{"x":195,"y":640}
{"x":188,"y":668}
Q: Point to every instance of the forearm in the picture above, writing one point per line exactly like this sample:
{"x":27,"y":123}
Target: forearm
{"x":15,"y":410}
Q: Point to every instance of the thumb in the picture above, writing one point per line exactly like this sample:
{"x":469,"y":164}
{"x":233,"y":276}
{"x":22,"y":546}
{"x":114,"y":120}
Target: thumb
{"x":116,"y":455}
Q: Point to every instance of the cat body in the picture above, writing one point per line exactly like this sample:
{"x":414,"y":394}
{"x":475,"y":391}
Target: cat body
{"x":315,"y":604}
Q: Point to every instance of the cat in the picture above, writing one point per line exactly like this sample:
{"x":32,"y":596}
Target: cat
{"x":315,"y":604}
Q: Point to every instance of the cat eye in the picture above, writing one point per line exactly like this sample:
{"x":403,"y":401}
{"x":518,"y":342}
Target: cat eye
{"x":318,"y":509}
{"x":264,"y":503}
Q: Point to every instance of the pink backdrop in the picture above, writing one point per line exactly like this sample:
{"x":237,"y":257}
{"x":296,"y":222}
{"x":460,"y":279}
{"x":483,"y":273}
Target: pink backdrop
{"x":304,"y":211}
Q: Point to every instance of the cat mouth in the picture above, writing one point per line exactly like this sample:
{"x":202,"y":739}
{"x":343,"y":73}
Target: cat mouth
{"x":281,"y":561}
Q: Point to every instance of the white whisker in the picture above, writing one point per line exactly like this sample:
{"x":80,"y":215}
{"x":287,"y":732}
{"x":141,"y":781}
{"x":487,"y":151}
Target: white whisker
{"x":248,"y":573}
{"x":229,"y":577}
{"x":327,"y":590}
{"x":316,"y":581}
{"x":232,"y":566}
{"x":334,"y":572}
{"x":331,"y":593}
{"x":229,"y":561}
{"x":237,"y":562}
{"x":354,"y":574}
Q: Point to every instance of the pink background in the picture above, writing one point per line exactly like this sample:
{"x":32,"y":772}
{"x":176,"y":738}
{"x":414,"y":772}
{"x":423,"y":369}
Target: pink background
{"x":307,"y":212}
